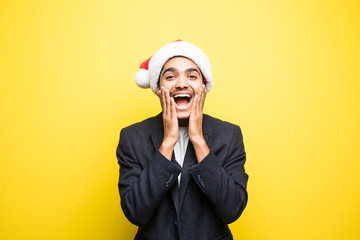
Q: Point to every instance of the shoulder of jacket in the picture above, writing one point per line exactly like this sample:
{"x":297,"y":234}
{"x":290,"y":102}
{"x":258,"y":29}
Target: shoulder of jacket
{"x":142,"y":126}
{"x":216,"y":122}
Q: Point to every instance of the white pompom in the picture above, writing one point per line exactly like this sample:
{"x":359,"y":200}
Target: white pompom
{"x":142,"y":78}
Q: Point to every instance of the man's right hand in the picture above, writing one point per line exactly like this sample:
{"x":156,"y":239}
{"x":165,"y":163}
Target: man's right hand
{"x":170,"y":121}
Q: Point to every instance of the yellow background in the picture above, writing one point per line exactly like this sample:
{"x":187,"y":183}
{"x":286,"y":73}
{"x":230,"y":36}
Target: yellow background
{"x":287,"y":72}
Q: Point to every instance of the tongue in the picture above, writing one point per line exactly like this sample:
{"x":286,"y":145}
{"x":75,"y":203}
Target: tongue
{"x":181,"y":101}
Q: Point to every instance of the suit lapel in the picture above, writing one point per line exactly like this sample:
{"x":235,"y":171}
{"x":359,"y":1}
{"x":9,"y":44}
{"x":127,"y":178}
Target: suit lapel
{"x":157,"y":137}
{"x":189,"y":161}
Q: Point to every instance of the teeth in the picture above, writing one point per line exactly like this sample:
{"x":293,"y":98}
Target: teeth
{"x":182,"y":95}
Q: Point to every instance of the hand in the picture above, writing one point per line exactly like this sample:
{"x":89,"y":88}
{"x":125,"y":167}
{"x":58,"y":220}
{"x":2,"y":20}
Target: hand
{"x":195,"y":125}
{"x":170,"y":121}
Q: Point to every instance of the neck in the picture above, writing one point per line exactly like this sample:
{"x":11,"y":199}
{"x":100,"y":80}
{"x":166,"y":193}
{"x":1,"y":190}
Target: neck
{"x":183,"y":122}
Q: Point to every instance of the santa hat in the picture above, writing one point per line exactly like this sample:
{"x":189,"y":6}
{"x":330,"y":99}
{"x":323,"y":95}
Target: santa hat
{"x":149,"y":72}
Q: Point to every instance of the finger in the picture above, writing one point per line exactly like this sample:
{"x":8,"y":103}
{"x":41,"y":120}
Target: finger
{"x":163,"y":97}
{"x":173,"y":108}
{"x":197,"y":109}
{"x":193,"y":108}
{"x":168,"y":104}
{"x":202,"y":101}
{"x":158,"y":93}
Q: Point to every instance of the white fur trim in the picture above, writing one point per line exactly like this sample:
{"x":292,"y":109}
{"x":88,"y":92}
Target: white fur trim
{"x":179,"y":48}
{"x":142,"y":78}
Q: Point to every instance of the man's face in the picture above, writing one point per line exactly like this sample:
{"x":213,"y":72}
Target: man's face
{"x":182,"y":78}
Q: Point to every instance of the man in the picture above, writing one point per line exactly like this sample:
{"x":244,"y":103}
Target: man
{"x":182,"y":172}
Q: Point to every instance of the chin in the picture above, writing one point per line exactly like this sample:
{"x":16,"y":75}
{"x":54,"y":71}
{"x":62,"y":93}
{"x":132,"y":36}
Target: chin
{"x":183,"y":115}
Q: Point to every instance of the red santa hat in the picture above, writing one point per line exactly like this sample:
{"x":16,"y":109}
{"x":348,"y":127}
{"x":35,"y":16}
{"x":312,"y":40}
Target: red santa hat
{"x":150,"y":69}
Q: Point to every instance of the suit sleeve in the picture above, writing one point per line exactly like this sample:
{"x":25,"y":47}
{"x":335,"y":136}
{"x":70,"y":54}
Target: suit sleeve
{"x":225,"y":184}
{"x":142,"y":187}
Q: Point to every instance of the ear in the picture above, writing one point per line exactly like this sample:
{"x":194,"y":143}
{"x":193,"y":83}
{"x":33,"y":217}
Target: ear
{"x":157,"y":90}
{"x":158,"y":85}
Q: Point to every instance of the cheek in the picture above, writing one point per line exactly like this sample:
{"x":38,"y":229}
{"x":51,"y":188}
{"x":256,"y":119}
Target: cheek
{"x":167,"y":84}
{"x":196,"y":85}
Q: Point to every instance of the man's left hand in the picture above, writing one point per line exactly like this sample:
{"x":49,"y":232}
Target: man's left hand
{"x":195,"y":125}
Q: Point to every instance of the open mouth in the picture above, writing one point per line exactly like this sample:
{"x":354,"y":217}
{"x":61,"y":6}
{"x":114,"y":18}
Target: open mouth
{"x":182,"y":100}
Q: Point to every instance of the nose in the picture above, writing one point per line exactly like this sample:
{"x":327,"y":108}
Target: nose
{"x":182,"y":82}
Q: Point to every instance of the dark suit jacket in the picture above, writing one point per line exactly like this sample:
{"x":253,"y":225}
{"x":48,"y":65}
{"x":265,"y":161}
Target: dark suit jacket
{"x":211,"y":194}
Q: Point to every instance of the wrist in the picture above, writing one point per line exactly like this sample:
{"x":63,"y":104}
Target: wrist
{"x":166,"y":149}
{"x":169,"y":142}
{"x":197,"y":141}
{"x":201,"y":150}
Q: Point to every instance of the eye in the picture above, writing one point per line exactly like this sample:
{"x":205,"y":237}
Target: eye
{"x":192,"y":76}
{"x":170,"y":77}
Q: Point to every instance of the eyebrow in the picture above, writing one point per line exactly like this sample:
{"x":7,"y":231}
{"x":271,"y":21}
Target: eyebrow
{"x":171,"y":69}
{"x":192,"y":70}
